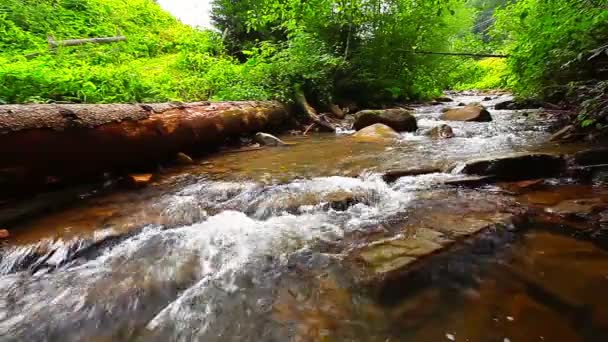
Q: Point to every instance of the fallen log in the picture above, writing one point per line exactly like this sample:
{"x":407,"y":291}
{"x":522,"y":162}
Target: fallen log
{"x":75,"y":42}
{"x":54,"y":143}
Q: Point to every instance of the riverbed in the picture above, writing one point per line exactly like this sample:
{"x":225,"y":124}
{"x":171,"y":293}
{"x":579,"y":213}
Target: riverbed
{"x":310,"y":243}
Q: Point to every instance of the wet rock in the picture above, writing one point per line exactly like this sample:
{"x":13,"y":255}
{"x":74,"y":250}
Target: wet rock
{"x":399,"y":119}
{"x":518,"y":104}
{"x":470,"y":181}
{"x":139,"y":180}
{"x":596,"y":156}
{"x":393,"y":254}
{"x":461,"y":104}
{"x":441,"y":132}
{"x":522,"y":186}
{"x":393,"y":175}
{"x":444,"y":99}
{"x":417,"y":246}
{"x":487,"y":98}
{"x":516,"y":167}
{"x":266,"y":139}
{"x":376,"y":133}
{"x":183,"y":159}
{"x":475,"y":113}
{"x":578,"y":207}
{"x":4,"y":234}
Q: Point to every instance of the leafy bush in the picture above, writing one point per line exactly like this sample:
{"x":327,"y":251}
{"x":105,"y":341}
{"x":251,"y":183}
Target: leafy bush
{"x":541,"y":36}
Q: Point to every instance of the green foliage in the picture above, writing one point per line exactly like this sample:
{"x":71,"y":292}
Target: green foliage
{"x":485,"y":74}
{"x":156,"y":63}
{"x":541,"y":36}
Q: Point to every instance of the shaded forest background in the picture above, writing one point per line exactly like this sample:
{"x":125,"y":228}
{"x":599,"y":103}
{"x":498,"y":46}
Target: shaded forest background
{"x":336,"y":50}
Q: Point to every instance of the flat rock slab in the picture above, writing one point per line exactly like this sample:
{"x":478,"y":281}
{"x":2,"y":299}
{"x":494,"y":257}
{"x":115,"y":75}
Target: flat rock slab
{"x":435,"y":226}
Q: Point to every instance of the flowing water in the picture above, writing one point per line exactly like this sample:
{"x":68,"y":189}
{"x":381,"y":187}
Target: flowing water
{"x":269,"y":245}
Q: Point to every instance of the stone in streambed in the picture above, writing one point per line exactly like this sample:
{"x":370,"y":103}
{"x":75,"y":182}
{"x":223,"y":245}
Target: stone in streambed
{"x":444,"y":99}
{"x":475,"y":113}
{"x":393,"y":175}
{"x":596,"y":156}
{"x":266,"y":139}
{"x":441,"y":132}
{"x":376,"y":133}
{"x":399,"y":119}
{"x":139,"y":180}
{"x":183,"y":159}
{"x":516,"y":167}
{"x":4,"y":234}
{"x":579,"y":207}
{"x":392,"y":254}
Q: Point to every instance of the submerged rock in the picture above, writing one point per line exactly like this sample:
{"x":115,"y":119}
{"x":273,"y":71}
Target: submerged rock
{"x":516,"y":167}
{"x":441,"y":132}
{"x":578,"y":207}
{"x":4,"y":234}
{"x":444,"y":99}
{"x":468,"y":113}
{"x":399,"y":119}
{"x":376,"y":133}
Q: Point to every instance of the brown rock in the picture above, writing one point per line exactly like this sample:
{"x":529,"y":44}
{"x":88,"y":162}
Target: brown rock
{"x":517,"y":167}
{"x":595,"y":156}
{"x":4,"y":234}
{"x":441,"y":132}
{"x":376,"y":133}
{"x":469,"y":113}
{"x":139,"y":180}
{"x":444,"y":99}
{"x":399,"y":119}
{"x":183,"y":159}
{"x":579,"y":207}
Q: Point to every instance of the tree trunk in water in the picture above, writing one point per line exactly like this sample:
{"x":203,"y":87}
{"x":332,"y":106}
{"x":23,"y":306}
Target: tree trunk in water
{"x":46,"y":143}
{"x":310,"y":112}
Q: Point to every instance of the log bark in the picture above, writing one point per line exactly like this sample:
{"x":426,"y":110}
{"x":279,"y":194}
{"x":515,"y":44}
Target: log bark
{"x":310,"y":112}
{"x":74,"y":42}
{"x":45,"y":143}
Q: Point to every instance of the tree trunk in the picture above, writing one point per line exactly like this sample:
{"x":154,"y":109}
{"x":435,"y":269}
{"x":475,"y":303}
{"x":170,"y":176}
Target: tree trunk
{"x":42,"y":144}
{"x":310,"y":112}
{"x":74,"y":42}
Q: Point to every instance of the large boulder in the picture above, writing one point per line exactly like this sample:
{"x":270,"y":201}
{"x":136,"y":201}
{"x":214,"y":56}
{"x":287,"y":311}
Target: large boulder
{"x":468,"y":113}
{"x":376,"y":133}
{"x":399,"y":119}
{"x":516,"y":167}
